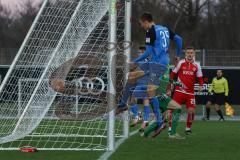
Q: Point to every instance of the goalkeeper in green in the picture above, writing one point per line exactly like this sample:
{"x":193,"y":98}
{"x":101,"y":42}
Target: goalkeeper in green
{"x":166,"y":103}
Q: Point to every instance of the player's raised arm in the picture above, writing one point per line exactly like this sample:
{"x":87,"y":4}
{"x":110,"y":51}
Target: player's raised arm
{"x":178,"y":41}
{"x":174,"y":72}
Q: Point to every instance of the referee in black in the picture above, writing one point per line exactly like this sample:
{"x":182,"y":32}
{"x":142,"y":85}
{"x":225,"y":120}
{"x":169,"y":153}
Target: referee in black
{"x":220,"y":90}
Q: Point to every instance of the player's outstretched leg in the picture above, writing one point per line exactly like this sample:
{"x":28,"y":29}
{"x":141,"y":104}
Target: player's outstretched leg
{"x":175,"y":118}
{"x":134,"y":110}
{"x":166,"y":103}
{"x":146,"y":117}
{"x":159,"y":120}
{"x":127,"y":91}
{"x":122,"y":106}
{"x":152,"y":127}
{"x":176,"y":112}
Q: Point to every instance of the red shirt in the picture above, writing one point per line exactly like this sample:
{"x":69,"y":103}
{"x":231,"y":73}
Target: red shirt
{"x":187,"y":72}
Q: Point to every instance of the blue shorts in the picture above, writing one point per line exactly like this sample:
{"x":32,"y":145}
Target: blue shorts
{"x":153,"y":72}
{"x":140,"y":92}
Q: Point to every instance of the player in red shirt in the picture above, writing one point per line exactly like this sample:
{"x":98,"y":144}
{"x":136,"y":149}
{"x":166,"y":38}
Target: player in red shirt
{"x":187,"y":70}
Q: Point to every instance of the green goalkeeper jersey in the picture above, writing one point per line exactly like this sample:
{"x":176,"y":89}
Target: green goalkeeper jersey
{"x":162,"y":89}
{"x":164,"y":82}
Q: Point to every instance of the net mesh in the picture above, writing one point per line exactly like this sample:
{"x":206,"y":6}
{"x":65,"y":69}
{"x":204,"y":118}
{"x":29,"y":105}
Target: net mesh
{"x":55,"y":96}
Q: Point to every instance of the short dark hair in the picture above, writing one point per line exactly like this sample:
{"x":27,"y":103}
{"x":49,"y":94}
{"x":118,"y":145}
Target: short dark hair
{"x":142,"y":48}
{"x":146,"y":17}
{"x":190,"y":47}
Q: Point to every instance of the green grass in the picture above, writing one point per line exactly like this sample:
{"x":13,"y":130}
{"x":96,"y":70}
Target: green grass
{"x":210,"y":141}
{"x":50,"y":155}
{"x":60,"y":127}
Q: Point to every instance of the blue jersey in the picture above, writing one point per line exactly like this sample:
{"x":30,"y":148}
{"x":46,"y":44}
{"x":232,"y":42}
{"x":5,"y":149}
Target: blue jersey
{"x":161,"y":44}
{"x":157,"y":45}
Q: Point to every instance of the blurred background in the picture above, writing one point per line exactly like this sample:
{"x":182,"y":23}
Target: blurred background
{"x":211,"y":26}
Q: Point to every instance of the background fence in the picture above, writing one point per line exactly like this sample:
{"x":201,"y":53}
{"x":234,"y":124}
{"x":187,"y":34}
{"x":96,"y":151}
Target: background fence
{"x":218,"y":57}
{"x":227,"y":58}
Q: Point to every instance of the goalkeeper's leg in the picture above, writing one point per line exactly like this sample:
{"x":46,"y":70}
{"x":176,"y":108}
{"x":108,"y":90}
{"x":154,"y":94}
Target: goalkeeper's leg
{"x":167,"y":103}
{"x":176,"y":112}
{"x":156,"y":126}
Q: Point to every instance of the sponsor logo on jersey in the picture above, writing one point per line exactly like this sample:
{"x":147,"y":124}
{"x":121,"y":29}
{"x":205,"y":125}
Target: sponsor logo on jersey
{"x":188,"y":73}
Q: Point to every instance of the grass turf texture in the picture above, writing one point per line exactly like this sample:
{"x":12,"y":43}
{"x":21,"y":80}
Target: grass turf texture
{"x":51,"y":155}
{"x":209,"y":141}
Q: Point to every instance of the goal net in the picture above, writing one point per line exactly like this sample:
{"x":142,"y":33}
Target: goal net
{"x":55,"y":94}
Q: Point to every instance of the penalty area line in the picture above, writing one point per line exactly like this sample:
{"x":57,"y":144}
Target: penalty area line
{"x":107,"y":154}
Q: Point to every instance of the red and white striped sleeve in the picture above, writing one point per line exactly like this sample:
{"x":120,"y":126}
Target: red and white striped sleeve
{"x":175,"y":70}
{"x":199,"y":74}
{"x":199,"y":70}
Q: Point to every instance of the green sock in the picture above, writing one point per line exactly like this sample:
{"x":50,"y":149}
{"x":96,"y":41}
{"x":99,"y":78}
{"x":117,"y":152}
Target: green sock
{"x":175,"y":119}
{"x":150,"y":129}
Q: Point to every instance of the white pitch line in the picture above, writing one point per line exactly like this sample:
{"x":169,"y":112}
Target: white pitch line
{"x":107,"y":154}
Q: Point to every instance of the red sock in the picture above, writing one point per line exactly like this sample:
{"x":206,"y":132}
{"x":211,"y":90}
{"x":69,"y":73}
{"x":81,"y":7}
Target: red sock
{"x":170,"y":118}
{"x":190,"y":118}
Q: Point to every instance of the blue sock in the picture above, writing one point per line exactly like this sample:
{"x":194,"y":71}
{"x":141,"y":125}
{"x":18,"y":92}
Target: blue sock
{"x":156,"y":110}
{"x":146,"y":113}
{"x":126,"y":93}
{"x":134,"y":110}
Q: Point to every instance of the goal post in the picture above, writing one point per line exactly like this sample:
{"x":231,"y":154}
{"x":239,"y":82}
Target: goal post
{"x":61,"y":90}
{"x":112,"y":72}
{"x":127,"y":53}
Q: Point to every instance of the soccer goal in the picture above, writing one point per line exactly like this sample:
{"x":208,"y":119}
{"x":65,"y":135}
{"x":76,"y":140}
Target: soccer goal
{"x":61,"y":90}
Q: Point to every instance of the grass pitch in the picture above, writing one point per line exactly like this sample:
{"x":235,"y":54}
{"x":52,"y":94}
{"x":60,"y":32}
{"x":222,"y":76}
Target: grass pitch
{"x":209,"y":141}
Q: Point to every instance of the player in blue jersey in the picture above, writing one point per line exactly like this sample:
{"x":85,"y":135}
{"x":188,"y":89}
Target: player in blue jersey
{"x":134,"y":106}
{"x":139,"y":94}
{"x":157,"y":45}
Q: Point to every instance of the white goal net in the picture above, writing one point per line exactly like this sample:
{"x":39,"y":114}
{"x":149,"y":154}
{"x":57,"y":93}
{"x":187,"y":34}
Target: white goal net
{"x":55,"y":94}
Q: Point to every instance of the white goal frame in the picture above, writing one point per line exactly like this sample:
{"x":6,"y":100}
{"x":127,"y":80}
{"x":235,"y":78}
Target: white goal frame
{"x":111,"y":136}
